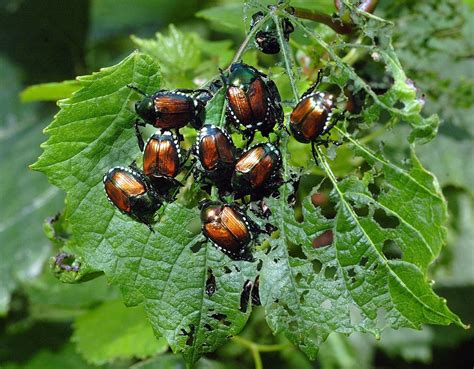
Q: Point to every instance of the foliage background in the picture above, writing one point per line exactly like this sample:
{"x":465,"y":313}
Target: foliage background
{"x":46,"y":324}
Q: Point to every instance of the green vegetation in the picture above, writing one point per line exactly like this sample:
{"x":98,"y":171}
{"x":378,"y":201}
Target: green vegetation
{"x":396,"y":196}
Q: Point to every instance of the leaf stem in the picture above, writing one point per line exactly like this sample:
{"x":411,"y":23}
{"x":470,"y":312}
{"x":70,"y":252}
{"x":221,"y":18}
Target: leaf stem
{"x":256,"y":349}
{"x":286,"y":57}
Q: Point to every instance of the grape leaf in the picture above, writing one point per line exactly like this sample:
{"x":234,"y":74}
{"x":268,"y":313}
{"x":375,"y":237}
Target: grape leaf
{"x":65,"y":357}
{"x":52,"y":91}
{"x":227,"y":17}
{"x":50,"y":300}
{"x":353,"y":285}
{"x":373,"y":275}
{"x":357,"y":283}
{"x":185,"y":58}
{"x":166,"y":270}
{"x":114,"y":339}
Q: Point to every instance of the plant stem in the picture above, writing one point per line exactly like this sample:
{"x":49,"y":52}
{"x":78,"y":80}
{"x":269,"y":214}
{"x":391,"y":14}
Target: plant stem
{"x":336,"y":24}
{"x":286,"y":56}
{"x":255,"y":349}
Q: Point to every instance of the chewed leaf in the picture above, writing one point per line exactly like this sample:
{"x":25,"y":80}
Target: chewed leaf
{"x":166,"y":270}
{"x":373,"y":273}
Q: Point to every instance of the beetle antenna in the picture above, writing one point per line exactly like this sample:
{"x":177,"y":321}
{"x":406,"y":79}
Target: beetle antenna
{"x":135,"y":88}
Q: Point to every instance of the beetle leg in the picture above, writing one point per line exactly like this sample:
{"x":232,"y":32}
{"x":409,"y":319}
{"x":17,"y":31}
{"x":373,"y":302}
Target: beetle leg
{"x":188,"y":154}
{"x":215,"y":86}
{"x":249,"y":135}
{"x":191,"y":170}
{"x":141,"y":143}
{"x":179,"y":135}
{"x":223,"y":77}
{"x":149,"y":227}
{"x":331,"y":125}
{"x":313,"y":151}
{"x":310,"y":90}
{"x":185,"y":90}
{"x":135,"y":88}
{"x":133,"y":166}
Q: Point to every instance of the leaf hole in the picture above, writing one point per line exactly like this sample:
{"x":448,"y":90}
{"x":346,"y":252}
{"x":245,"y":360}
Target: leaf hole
{"x":197,"y":247}
{"x":391,"y":250}
{"x":324,"y":239}
{"x":245,"y":295}
{"x":317,"y":266}
{"x":385,"y":220}
{"x":321,"y":201}
{"x":326,"y":304}
{"x":256,"y":292}
{"x":288,"y":310}
{"x":221,"y":318}
{"x":363,"y":261}
{"x":296,"y":251}
{"x":190,"y":334}
{"x":259,"y":265}
{"x":399,"y":105}
{"x":227,"y":270}
{"x":298,"y":277}
{"x":276,"y":260}
{"x":330,"y":272}
{"x":374,"y":190}
{"x":362,"y":211}
{"x":210,"y":283}
{"x":381,"y":318}
{"x":208,"y":327}
{"x":355,"y":314}
{"x":292,"y":326}
{"x":302,"y":296}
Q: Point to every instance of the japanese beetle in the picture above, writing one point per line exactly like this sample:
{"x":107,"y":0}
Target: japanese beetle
{"x":129,"y":190}
{"x":228,"y":228}
{"x":257,"y":171}
{"x":266,"y":39}
{"x":311,"y":117}
{"x":215,"y":152}
{"x":253,"y":100}
{"x":172,"y":109}
{"x":162,"y":159}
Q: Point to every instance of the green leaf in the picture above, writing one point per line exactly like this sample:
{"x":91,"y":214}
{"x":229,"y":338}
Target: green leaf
{"x":27,"y":198}
{"x":65,"y":357}
{"x":443,"y":156}
{"x":339,"y":351}
{"x":459,"y":271}
{"x":169,"y":361}
{"x":93,"y":132}
{"x":356,"y":283}
{"x":184,"y":56}
{"x":52,"y":91}
{"x":112,"y":331}
{"x":52,"y":300}
{"x":227,"y":17}
{"x":176,"y":53}
{"x":388,"y":223}
{"x":409,"y":344}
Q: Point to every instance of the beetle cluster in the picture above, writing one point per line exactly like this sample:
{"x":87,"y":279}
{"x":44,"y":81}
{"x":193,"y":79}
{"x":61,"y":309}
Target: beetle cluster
{"x":251,"y":173}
